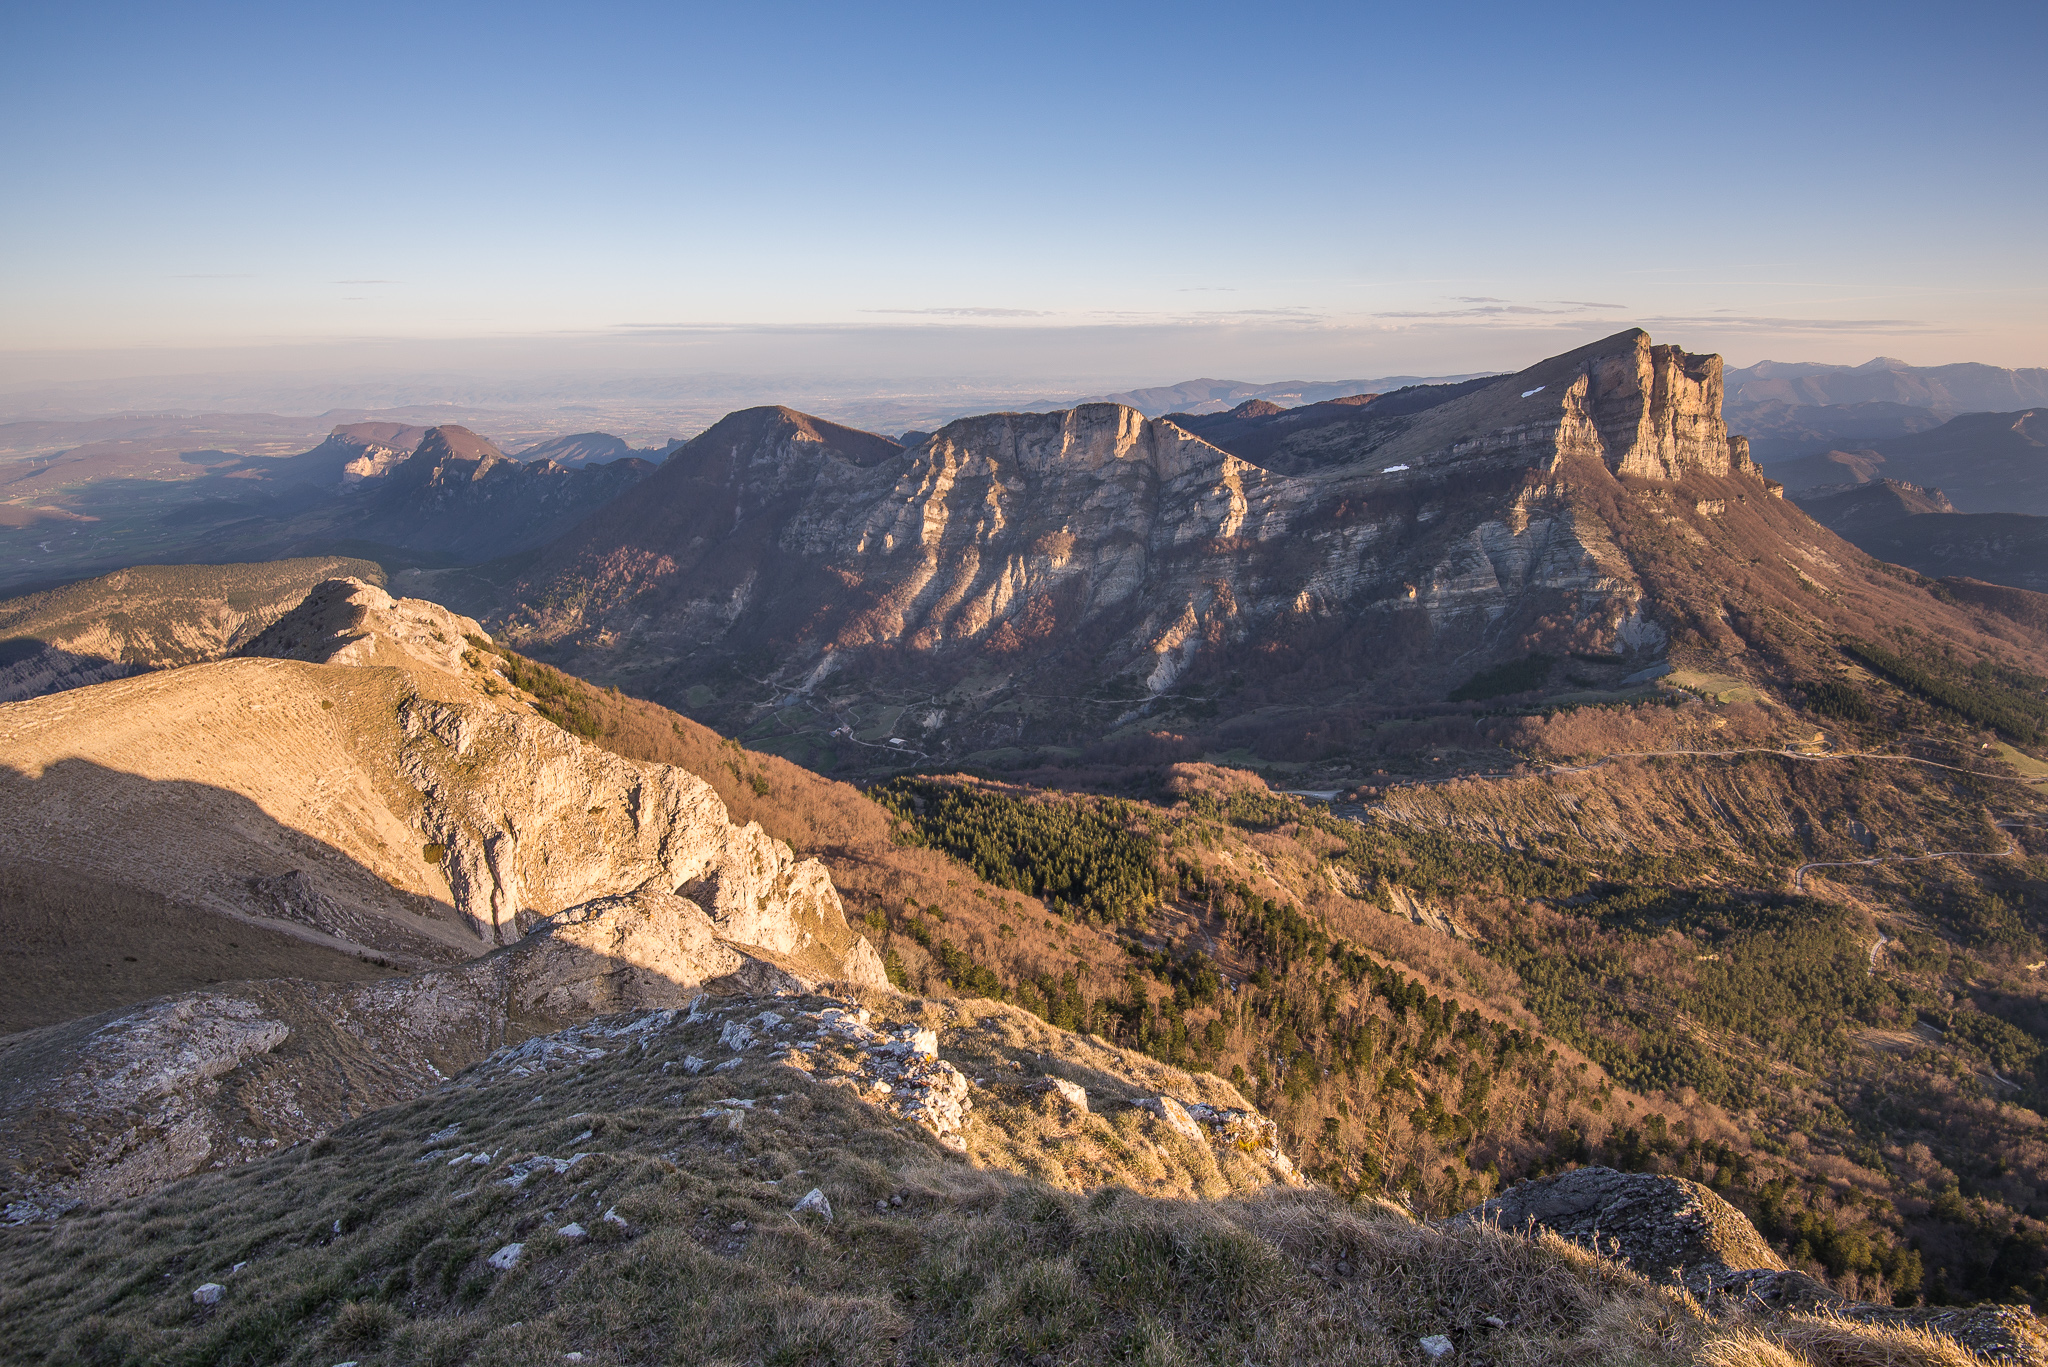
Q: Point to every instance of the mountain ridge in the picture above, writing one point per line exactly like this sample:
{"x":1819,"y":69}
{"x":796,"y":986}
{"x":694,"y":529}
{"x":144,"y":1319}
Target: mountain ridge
{"x":1560,"y":509}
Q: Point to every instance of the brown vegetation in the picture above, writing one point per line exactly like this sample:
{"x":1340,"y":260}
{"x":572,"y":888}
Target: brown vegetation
{"x":372,"y":1244}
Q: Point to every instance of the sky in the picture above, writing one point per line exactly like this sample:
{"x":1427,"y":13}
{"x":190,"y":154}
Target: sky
{"x":1112,"y":193}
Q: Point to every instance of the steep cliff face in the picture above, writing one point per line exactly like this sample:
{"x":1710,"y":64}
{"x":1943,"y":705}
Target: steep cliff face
{"x":1097,"y":554}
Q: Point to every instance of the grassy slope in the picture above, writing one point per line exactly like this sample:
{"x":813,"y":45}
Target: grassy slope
{"x":356,"y":1247}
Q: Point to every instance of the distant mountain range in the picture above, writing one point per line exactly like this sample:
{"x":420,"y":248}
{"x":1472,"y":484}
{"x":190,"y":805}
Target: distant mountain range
{"x":393,"y":492}
{"x":82,"y":498}
{"x":1216,"y":396}
{"x":1793,"y":410}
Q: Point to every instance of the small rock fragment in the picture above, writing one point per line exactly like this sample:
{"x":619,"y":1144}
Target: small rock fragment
{"x":1072,"y":1093}
{"x":1437,"y":1346}
{"x":209,"y":1294}
{"x":815,"y":1203}
{"x":693,"y":1064}
{"x":738,"y":1226}
{"x":612,"y":1217}
{"x":573,"y":1231}
{"x":507,"y":1258}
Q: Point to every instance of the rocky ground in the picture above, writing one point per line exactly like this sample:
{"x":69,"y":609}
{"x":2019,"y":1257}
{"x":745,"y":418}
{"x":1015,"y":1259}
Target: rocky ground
{"x":727,"y":1183}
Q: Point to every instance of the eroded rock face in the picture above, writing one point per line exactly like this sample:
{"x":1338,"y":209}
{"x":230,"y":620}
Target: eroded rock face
{"x":367,"y":779}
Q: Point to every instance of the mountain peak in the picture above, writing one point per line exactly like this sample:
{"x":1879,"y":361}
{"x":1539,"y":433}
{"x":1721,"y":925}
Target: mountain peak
{"x":773,"y":421}
{"x":450,"y":455}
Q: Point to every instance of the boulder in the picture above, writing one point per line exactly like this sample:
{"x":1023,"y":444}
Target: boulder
{"x":1678,"y":1232}
{"x":1666,"y":1228}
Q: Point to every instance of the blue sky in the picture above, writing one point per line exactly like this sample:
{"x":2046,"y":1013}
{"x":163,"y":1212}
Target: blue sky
{"x":1138,"y":191}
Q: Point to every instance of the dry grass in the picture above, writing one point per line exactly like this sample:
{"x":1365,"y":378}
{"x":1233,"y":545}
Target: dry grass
{"x":353,"y":1249}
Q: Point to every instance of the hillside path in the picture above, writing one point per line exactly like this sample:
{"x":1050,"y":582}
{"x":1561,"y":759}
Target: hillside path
{"x":2012,"y":851}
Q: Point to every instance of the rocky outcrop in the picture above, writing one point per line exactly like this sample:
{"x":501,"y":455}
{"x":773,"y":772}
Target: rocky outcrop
{"x":122,"y":1103}
{"x":347,"y":621}
{"x":1663,"y":1227}
{"x":1678,"y":1232}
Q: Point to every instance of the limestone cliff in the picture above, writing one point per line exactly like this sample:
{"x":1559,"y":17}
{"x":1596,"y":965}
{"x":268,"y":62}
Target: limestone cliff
{"x":1097,"y":553}
{"x":373,"y":792}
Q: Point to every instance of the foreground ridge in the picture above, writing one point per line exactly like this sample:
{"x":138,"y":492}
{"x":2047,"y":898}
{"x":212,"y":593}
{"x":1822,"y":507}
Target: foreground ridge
{"x":676,"y":1183}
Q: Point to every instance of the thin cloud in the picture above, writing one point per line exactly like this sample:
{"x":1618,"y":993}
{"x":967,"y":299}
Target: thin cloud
{"x":1482,"y":311}
{"x":1759,"y":324}
{"x":369,"y":282}
{"x":968,"y":312}
{"x":1582,"y":304}
{"x":213,"y":277}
